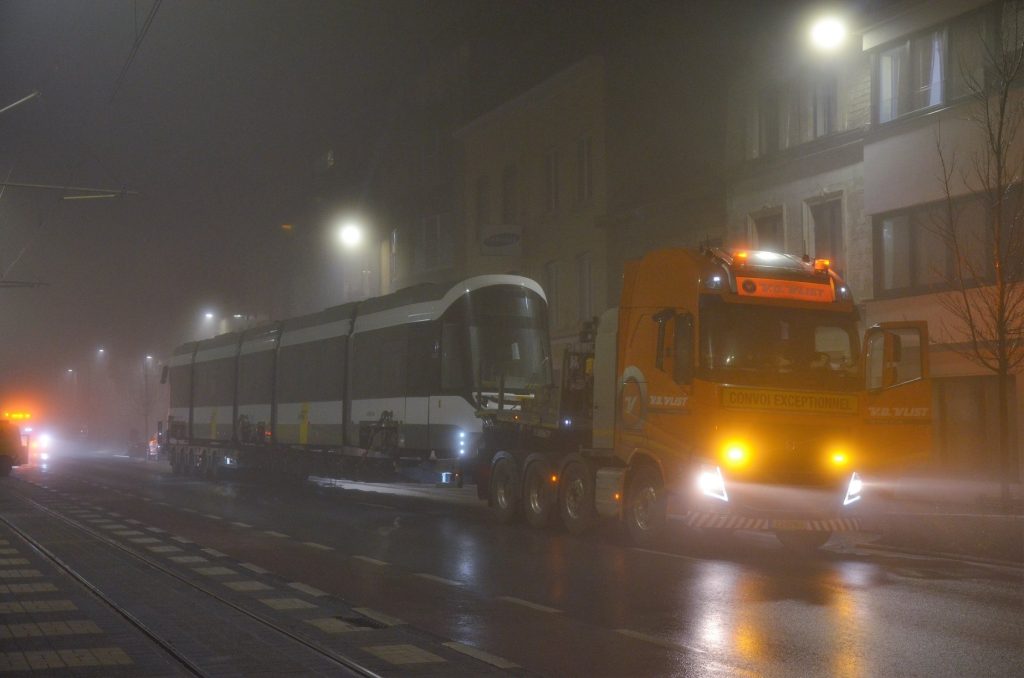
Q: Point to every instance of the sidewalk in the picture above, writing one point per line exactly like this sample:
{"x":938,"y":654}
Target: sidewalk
{"x":952,"y":516}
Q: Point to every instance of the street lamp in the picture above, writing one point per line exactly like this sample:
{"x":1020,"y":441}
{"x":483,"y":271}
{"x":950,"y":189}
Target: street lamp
{"x":351,"y":235}
{"x":828,"y":33}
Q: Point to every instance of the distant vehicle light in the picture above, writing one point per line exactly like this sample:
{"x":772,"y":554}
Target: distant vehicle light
{"x":45,"y":440}
{"x":822,"y":264}
{"x":840,"y":458}
{"x":45,"y":456}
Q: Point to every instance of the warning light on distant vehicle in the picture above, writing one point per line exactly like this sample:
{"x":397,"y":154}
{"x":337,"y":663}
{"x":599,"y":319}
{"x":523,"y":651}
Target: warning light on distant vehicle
{"x":736,"y":453}
{"x":17,"y":416}
{"x":822,"y":264}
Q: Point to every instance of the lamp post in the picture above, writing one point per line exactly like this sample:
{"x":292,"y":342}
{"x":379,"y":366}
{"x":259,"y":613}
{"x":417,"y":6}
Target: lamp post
{"x":828,"y":33}
{"x":352,"y":235}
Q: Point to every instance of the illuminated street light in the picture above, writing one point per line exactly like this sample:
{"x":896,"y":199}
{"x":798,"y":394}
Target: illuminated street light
{"x":101,"y":351}
{"x":208,"y":315}
{"x":149,"y":357}
{"x":828,"y":33}
{"x":350,"y":235}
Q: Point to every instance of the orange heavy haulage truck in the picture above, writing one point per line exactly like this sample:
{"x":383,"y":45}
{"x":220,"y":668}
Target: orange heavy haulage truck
{"x":731,"y":390}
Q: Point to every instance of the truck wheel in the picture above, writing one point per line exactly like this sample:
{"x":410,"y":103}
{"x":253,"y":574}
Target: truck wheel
{"x":802,"y":542}
{"x":645,"y":507}
{"x":576,"y":499}
{"x":538,"y":494}
{"x":505,"y":490}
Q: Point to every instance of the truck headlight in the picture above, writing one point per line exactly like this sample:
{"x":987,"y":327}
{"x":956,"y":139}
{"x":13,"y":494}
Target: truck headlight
{"x":711,"y":482}
{"x":853,"y":489}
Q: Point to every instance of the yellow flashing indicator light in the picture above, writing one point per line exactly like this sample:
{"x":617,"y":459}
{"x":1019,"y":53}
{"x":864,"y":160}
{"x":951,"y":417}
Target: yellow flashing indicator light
{"x":17,"y":416}
{"x":822,"y":264}
{"x":839,"y":458}
{"x":736,"y":453}
{"x":554,"y":478}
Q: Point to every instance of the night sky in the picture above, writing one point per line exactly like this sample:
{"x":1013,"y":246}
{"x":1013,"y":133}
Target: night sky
{"x":217,"y":123}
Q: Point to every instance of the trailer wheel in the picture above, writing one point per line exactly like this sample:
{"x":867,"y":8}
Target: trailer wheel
{"x":576,"y":498}
{"x":538,"y":494}
{"x":802,"y":542}
{"x":505,"y":490}
{"x":645,"y":507}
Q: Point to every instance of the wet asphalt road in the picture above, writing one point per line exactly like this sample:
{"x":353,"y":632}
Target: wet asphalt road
{"x":559,"y":605}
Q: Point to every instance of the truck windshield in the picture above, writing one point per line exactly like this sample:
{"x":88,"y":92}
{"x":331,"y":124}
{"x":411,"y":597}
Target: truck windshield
{"x":497,"y":336}
{"x":782,"y":347}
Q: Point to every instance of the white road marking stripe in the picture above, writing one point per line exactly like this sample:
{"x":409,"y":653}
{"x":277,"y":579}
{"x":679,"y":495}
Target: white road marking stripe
{"x":372,"y":561}
{"x":486,"y":657}
{"x":241,"y":524}
{"x":279,"y":535}
{"x":527,"y":603}
{"x":254,"y":568}
{"x":662,"y":553}
{"x":215,"y":553}
{"x":307,"y":589}
{"x":212,"y":517}
{"x":440,"y":580}
{"x":322,"y":547}
{"x":378,"y":617}
{"x":654,"y":640}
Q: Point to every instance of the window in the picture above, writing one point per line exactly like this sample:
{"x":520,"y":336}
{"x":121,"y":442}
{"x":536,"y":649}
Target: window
{"x":483,"y":204}
{"x":584,"y":170}
{"x":912,"y":76}
{"x":509,"y":195}
{"x":436,"y":244}
{"x":911,"y":252}
{"x":393,"y":255}
{"x":551,"y":181}
{"x":584,"y":269}
{"x":825,"y":107}
{"x":768,"y":123}
{"x":551,"y":290}
{"x":827,"y":218}
{"x":768,"y":233}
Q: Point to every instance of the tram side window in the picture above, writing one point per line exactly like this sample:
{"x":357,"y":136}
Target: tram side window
{"x":454,"y":375}
{"x":312,"y":372}
{"x":379,"y":363}
{"x":181,"y":385}
{"x":424,"y":358}
{"x":255,"y":378}
{"x":215,"y":382}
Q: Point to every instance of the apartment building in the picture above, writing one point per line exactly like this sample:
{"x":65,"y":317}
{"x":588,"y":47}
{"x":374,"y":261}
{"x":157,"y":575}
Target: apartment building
{"x":835,"y":155}
{"x":534,"y":193}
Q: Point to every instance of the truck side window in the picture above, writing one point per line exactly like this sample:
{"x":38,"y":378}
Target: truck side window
{"x":682,"y":370}
{"x":662,"y":318}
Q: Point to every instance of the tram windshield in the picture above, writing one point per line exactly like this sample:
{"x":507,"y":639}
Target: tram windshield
{"x":497,"y":339}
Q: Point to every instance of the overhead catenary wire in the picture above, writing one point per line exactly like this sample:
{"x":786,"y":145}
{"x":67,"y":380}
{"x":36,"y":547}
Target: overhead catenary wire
{"x":139,"y":38}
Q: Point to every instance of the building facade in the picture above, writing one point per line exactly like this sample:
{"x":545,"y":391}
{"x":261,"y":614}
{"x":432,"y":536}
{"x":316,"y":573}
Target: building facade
{"x":836,"y":156}
{"x":534,"y":187}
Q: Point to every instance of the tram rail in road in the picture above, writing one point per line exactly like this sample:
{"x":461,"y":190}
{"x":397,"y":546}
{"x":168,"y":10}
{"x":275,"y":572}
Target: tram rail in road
{"x":160,"y":587}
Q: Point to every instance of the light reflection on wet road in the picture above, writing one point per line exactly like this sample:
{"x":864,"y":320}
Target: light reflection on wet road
{"x":561,"y":605}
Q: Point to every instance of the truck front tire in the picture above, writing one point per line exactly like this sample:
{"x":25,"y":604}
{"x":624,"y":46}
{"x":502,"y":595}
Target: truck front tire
{"x":505,"y":490}
{"x":645,"y":507}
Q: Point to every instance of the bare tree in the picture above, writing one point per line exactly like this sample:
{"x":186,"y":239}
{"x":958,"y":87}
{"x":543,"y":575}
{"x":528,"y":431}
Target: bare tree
{"x":984,"y":232}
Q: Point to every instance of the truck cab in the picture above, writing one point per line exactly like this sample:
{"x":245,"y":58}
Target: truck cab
{"x":746,"y":391}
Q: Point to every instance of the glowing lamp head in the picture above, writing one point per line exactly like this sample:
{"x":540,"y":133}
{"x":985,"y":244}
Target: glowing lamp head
{"x":350,"y":235}
{"x":839,"y":458}
{"x":828,"y":33}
